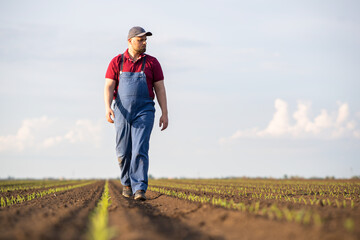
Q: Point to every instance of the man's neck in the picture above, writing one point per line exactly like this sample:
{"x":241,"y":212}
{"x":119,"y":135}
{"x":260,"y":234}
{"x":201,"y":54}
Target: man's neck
{"x":134,"y":55}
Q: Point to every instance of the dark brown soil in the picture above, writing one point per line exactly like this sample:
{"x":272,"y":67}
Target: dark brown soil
{"x":327,"y":212}
{"x":62,"y":215}
{"x":143,"y":220}
{"x":164,"y":217}
{"x":65,"y":215}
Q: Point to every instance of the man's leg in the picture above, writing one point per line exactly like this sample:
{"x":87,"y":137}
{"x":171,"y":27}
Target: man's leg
{"x":123,"y":146}
{"x":140,"y":131}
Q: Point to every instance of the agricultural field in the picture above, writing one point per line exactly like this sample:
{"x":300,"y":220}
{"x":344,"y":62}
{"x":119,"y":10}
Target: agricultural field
{"x":181,"y":209}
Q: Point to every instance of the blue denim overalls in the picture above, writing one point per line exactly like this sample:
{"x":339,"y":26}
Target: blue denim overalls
{"x":134,"y":119}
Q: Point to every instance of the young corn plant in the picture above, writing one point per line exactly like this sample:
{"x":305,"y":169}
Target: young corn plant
{"x":2,"y":202}
{"x":98,"y":224}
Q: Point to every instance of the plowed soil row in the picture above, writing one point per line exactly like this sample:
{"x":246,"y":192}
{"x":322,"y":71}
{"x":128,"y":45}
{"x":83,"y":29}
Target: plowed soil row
{"x":144,"y":220}
{"x":25,"y":192}
{"x":63,"y":215}
{"x":165,"y":217}
{"x":329,"y":213}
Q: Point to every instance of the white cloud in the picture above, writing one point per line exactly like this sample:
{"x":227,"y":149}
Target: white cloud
{"x":279,"y":125}
{"x":25,"y":135}
{"x":83,"y":131}
{"x":326,"y":126}
{"x":39,"y":133}
{"x":343,"y":114}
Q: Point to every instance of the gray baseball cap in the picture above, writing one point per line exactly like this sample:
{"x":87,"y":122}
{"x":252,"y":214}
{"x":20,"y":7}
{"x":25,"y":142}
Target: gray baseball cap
{"x":138,"y":32}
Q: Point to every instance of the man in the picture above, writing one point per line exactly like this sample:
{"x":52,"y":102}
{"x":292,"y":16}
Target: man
{"x":130,"y":80}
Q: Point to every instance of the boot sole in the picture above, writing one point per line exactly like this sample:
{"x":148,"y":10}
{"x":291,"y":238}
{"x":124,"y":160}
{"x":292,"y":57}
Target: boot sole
{"x":125,"y":195}
{"x":140,"y":198}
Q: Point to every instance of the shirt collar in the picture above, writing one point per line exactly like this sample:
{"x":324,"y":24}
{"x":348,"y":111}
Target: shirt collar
{"x":126,"y":54}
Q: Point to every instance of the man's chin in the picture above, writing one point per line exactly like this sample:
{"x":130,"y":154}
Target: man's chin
{"x":141,"y":51}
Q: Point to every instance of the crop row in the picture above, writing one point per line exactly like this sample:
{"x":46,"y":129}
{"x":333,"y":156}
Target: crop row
{"x":303,"y":216}
{"x":300,"y":216}
{"x":22,"y":182}
{"x":275,"y":197}
{"x":297,"y":184}
{"x":304,"y":197}
{"x":98,"y":224}
{"x":307,"y":201}
{"x":6,"y":183}
{"x":5,"y":201}
{"x":345,"y":189}
{"x":36,"y":185}
{"x":279,"y":185}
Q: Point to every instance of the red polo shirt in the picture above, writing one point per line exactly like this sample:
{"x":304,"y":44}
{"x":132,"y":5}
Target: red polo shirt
{"x":152,"y":70}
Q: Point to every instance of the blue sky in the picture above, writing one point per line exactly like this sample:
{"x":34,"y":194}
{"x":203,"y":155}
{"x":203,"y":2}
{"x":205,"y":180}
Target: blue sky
{"x":255,"y":88}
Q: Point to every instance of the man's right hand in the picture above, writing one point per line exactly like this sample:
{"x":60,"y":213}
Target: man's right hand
{"x":110,"y":115}
{"x":108,"y":98}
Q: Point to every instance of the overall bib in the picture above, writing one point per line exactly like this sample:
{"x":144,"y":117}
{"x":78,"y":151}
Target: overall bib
{"x":134,"y":119}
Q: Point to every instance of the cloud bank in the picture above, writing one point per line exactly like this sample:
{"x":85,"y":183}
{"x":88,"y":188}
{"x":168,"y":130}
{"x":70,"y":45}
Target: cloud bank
{"x":43,"y":133}
{"x":324,"y":126}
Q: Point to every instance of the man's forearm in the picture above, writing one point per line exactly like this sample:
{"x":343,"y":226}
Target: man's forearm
{"x":162,"y":102}
{"x":161,"y":96}
{"x":108,"y":92}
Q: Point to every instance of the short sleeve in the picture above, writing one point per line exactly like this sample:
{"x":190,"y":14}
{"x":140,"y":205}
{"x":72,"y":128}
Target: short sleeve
{"x":157,"y":71}
{"x":113,"y":69}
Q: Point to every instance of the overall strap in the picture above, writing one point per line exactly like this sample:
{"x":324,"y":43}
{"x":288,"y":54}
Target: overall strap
{"x":121,"y":63}
{"x":143,"y":64}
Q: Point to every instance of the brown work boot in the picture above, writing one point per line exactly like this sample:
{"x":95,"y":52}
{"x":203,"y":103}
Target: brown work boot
{"x":127,"y":192}
{"x":140,"y":195}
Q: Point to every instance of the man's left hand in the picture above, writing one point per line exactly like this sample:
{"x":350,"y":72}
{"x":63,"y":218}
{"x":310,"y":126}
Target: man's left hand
{"x":164,"y":121}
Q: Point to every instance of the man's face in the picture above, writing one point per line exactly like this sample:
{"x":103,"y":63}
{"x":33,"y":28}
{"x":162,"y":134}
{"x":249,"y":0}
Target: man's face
{"x":138,"y":44}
